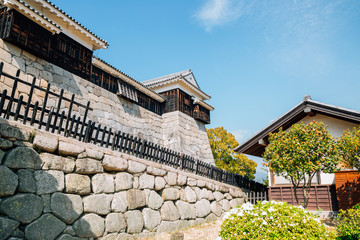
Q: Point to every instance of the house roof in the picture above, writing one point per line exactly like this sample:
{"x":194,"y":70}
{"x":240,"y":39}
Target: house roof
{"x":256,"y":144}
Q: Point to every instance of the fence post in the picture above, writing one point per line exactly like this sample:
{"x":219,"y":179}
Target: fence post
{"x":12,"y":95}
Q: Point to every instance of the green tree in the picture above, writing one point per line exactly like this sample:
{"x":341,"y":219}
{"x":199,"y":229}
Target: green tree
{"x":300,"y":153}
{"x":349,"y":145}
{"x":222,"y":144}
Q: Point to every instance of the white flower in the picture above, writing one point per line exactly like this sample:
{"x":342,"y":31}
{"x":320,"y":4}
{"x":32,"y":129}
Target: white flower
{"x":263,"y":213}
{"x":271,"y":209}
{"x":264,"y":222}
{"x":218,"y":238}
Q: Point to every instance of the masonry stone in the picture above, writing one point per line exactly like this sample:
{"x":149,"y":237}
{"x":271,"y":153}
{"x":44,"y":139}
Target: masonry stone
{"x":55,"y":162}
{"x":233,"y":203}
{"x":225,"y":204}
{"x":171,"y":178}
{"x":5,"y":144}
{"x":2,"y":154}
{"x":135,"y":221}
{"x":69,"y":230}
{"x":47,"y":227}
{"x":191,"y":182}
{"x":170,"y":194}
{"x":135,"y":198}
{"x":228,"y":196}
{"x":169,"y":212}
{"x":181,"y":180}
{"x":155,"y":201}
{"x":27,"y":182}
{"x":47,"y":202}
{"x":188,"y":195}
{"x":208,"y":195}
{"x":88,"y":166}
{"x":218,"y":196}
{"x":135,"y":167}
{"x":167,"y":226}
{"x":102,"y":183}
{"x":155,"y":171}
{"x":91,"y":153}
{"x":49,"y":181}
{"x":111,"y":236}
{"x":239,"y":201}
{"x":45,"y":143}
{"x":70,"y":149}
{"x":67,"y":207}
{"x":136,"y":182}
{"x":152,"y":218}
{"x":203,"y":208}
{"x":146,"y":181}
{"x":115,"y":222}
{"x":8,"y":182}
{"x":97,"y":203}
{"x":23,"y":157}
{"x":159,"y":183}
{"x":7,"y":227}
{"x":186,"y":210}
{"x":124,"y":236}
{"x":210,"y":186}
{"x":89,"y":226}
{"x":8,"y":131}
{"x":22,"y":207}
{"x":123,"y":181}
{"x":77,"y":184}
{"x":112,"y":163}
{"x":216,"y":208}
{"x":211,"y":217}
{"x":68,"y":237}
{"x":119,"y":202}
{"x":201,"y":183}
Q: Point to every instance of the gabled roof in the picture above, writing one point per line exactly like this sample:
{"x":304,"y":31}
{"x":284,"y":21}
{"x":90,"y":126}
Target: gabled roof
{"x":256,"y":145}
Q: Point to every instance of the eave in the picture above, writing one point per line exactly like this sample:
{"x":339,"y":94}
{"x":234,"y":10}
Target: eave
{"x":204,"y":104}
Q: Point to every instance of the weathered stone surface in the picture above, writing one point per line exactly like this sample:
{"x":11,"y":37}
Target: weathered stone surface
{"x":216,"y":208}
{"x":152,"y":218}
{"x":124,"y":236}
{"x":211,"y":217}
{"x":136,"y":182}
{"x":146,"y":181}
{"x":8,"y":181}
{"x":201,"y":183}
{"x":68,"y":237}
{"x":45,"y":143}
{"x":218,"y":196}
{"x":22,"y":207}
{"x":97,"y":203}
{"x":208,"y":195}
{"x":200,"y":193}
{"x":203,"y":208}
{"x":169,"y":212}
{"x":91,"y":153}
{"x":112,"y":163}
{"x":167,"y":226}
{"x":49,"y":181}
{"x":47,"y":203}
{"x":135,"y":221}
{"x":54,"y":162}
{"x":136,"y":167}
{"x":191,"y":182}
{"x":7,"y":227}
{"x":102,"y":183}
{"x":8,"y":131}
{"x":88,"y":166}
{"x":26,"y":181}
{"x":123,"y":181}
{"x":210,"y":186}
{"x":89,"y":226}
{"x":199,"y":221}
{"x":159,"y":183}
{"x":67,"y":207}
{"x":135,"y":198}
{"x":119,"y":203}
{"x":5,"y":144}
{"x":17,"y":233}
{"x":46,"y":227}
{"x":171,"y":178}
{"x":225,"y":204}
{"x":170,"y":194}
{"x":181,"y":180}
{"x":23,"y":157}
{"x":78,"y":184}
{"x":115,"y":222}
{"x":70,"y":149}
{"x":155,"y":171}
{"x":2,"y":154}
{"x":155,"y":201}
{"x":188,"y":195}
{"x":239,"y":201}
{"x":234,"y":193}
{"x":186,"y":210}
{"x":233,"y":203}
{"x":223,"y":189}
{"x":69,"y":230}
{"x":228,"y":196}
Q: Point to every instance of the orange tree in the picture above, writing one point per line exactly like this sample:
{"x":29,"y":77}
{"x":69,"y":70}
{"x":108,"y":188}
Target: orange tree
{"x":349,"y":146}
{"x":222,"y":144}
{"x":300,"y":153}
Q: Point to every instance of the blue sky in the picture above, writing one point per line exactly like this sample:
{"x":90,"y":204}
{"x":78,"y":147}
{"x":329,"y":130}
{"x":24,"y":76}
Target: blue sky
{"x":256,"y":58}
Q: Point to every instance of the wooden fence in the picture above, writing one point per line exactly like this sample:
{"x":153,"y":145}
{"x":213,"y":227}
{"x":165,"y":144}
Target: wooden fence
{"x":54,"y":120}
{"x":254,"y":197}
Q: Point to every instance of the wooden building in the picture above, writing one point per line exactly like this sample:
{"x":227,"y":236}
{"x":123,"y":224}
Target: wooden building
{"x":325,"y":193}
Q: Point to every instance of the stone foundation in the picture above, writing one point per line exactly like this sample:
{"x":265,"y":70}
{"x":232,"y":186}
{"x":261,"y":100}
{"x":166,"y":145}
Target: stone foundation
{"x":52,"y":187}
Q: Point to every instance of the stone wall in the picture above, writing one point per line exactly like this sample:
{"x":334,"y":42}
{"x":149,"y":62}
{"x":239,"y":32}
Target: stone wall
{"x":52,"y":187}
{"x":173,"y":130}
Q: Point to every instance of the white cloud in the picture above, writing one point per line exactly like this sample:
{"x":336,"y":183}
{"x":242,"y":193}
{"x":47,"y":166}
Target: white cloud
{"x":241,"y":135}
{"x":218,"y":12}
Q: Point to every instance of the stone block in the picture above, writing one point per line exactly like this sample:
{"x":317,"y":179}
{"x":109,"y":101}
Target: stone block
{"x":91,"y":153}
{"x":7,"y":227}
{"x":88,"y":166}
{"x":218,"y":196}
{"x":49,"y":181}
{"x":89,"y":226}
{"x":102,"y":183}
{"x":69,"y":230}
{"x":70,"y":149}
{"x":135,"y":221}
{"x":97,"y":203}
{"x":211,"y":217}
{"x":55,"y":162}
{"x":203,"y":208}
{"x":225,"y":205}
{"x":167,"y":226}
{"x":26,"y":181}
{"x":216,"y":208}
{"x":119,"y":203}
{"x":155,"y":201}
{"x":191,"y":182}
{"x":67,"y":207}
{"x":68,"y":237}
{"x":155,"y":171}
{"x":112,"y":163}
{"x":123,"y":181}
{"x":47,"y":203}
{"x":8,"y":182}
{"x":77,"y":184}
{"x":208,"y":195}
{"x":23,"y":208}
{"x":201,"y":183}
{"x":152,"y":218}
{"x":210,"y":186}
{"x":115,"y":222}
{"x":171,"y":178}
{"x":45,"y":143}
{"x":124,"y":236}
{"x":159,"y":183}
{"x":5,"y":144}
{"x":181,"y":180}
{"x":146,"y":181}
{"x":186,"y":210}
{"x":23,"y":157}
{"x":135,"y":198}
{"x":188,"y":195}
{"x":2,"y":154}
{"x":46,"y":227}
{"x":136,"y":167}
{"x":169,"y":212}
{"x":170,"y":194}
{"x":233,"y":203}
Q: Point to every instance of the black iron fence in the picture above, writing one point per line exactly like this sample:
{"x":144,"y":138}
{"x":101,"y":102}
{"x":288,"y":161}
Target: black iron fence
{"x":69,"y":124}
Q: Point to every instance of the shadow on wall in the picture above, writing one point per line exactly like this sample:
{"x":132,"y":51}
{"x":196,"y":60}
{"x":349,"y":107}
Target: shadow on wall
{"x":348,"y":193}
{"x":32,"y":202}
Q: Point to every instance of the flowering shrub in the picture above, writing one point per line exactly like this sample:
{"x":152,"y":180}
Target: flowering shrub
{"x":349,"y":223}
{"x":272,"y":220}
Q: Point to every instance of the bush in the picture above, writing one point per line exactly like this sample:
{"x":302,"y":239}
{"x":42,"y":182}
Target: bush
{"x":349,"y":223}
{"x":272,"y":220}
